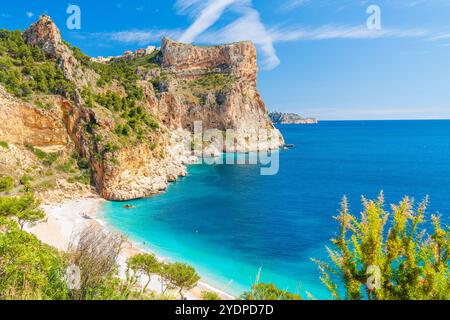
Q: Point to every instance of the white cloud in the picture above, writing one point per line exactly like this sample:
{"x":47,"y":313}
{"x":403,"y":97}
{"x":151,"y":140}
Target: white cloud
{"x":30,"y":14}
{"x":248,"y":26}
{"x":207,"y":16}
{"x":441,"y":37}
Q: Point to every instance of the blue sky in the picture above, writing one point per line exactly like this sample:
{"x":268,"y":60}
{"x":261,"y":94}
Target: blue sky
{"x":317,"y":58}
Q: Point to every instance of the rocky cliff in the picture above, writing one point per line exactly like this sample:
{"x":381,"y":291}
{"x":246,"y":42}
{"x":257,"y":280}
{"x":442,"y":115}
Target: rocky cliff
{"x":188,"y":61}
{"x":130,"y":118}
{"x":21,"y":122}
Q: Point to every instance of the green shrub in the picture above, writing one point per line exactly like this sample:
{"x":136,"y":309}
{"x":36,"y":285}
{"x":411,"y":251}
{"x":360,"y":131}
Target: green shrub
{"x":387,"y":256}
{"x":84,"y":177}
{"x":67,"y":167}
{"x":268,"y":291}
{"x":25,"y":179}
{"x":4,"y":144}
{"x":210,"y":296}
{"x":46,"y":158}
{"x":6,"y":184}
{"x":179,"y":276}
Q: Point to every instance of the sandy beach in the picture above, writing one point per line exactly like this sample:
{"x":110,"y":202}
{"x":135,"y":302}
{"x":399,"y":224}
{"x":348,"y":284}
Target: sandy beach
{"x":65,"y":220}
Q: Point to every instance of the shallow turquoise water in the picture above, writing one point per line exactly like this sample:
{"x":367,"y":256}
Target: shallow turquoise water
{"x":228,"y":221}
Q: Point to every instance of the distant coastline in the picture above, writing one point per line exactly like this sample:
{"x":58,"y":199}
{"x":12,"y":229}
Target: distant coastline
{"x":290,"y":118}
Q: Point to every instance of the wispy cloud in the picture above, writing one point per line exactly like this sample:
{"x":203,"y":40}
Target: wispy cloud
{"x":414,"y":3}
{"x":248,"y":26}
{"x":207,"y":16}
{"x":440,"y":37}
{"x":30,"y":14}
{"x":329,"y":32}
{"x":293,"y":4}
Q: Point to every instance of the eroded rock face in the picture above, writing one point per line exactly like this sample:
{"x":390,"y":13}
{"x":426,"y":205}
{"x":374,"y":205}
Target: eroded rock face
{"x":22,"y":123}
{"x":188,"y":61}
{"x":45,"y":35}
{"x":239,"y":107}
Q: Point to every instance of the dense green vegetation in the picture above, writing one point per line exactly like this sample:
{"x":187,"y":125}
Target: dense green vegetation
{"x":145,"y":265}
{"x":387,"y":255}
{"x":131,"y":118}
{"x":24,"y":209}
{"x":25,"y":70}
{"x":124,"y":72}
{"x":196,"y":91}
{"x":213,"y":82}
{"x":4,"y":144}
{"x":29,"y":269}
{"x":133,"y":122}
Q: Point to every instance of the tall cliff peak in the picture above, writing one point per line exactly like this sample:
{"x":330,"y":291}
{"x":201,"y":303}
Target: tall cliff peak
{"x":45,"y":34}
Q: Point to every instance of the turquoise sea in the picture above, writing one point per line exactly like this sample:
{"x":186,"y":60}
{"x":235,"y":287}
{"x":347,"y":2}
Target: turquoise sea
{"x":228,"y":220}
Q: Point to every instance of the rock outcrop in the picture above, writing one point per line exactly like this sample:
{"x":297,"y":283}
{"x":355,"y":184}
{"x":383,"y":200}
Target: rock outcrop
{"x":188,"y":61}
{"x":46,"y":35}
{"x":237,"y":106}
{"x":185,"y":84}
{"x":23,"y":123}
{"x":290,"y":118}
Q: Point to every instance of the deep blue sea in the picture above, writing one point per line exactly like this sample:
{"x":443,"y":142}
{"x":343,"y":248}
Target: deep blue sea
{"x":228,"y":220}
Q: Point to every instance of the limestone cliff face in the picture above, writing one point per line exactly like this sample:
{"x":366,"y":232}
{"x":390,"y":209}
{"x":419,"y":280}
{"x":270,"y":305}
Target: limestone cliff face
{"x":238,"y":106}
{"x":216,"y":85}
{"x":188,"y":61}
{"x":22,"y":123}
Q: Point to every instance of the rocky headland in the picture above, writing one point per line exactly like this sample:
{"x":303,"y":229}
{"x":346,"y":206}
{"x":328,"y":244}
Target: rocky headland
{"x":290,"y":118}
{"x":120,"y":125}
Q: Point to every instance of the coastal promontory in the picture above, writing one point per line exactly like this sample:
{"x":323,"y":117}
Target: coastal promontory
{"x":290,"y":118}
{"x":119,"y":123}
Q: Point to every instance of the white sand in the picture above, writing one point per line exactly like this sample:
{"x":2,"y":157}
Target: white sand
{"x":65,"y":220}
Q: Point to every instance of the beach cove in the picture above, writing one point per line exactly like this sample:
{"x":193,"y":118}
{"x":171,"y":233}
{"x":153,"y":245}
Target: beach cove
{"x":229,"y":222}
